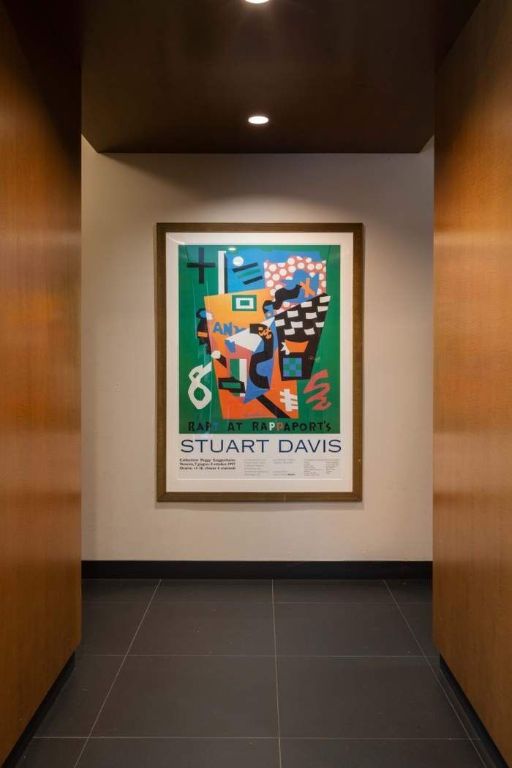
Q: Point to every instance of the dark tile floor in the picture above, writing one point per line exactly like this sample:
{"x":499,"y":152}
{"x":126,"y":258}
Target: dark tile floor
{"x":256,"y":674}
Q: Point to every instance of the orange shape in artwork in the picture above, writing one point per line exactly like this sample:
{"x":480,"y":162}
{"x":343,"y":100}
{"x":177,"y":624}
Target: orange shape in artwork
{"x":226,"y":322}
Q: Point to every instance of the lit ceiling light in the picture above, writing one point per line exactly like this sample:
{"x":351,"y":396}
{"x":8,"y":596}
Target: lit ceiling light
{"x":258,"y":119}
{"x":256,"y":2}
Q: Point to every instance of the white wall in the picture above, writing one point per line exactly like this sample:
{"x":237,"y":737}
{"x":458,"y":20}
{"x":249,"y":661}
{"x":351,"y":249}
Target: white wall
{"x":123,"y":197}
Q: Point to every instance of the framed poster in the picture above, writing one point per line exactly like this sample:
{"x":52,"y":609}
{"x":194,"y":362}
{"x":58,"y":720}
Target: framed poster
{"x":259,"y":362}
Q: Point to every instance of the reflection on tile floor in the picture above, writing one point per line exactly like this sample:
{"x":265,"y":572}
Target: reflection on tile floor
{"x":255,"y":674}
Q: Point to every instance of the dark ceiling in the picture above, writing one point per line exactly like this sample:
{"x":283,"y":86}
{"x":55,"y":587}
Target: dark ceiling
{"x":333,"y":75}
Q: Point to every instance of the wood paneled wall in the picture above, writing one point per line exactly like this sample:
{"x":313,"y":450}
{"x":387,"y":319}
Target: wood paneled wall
{"x":39,"y":365}
{"x":473,"y":366}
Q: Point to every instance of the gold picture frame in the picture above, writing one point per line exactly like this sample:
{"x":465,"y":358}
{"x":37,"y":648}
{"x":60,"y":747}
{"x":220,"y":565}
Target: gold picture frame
{"x":165,"y":494}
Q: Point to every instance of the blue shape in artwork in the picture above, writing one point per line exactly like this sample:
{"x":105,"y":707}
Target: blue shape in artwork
{"x":233,"y":345}
{"x":244,"y":269}
{"x":245,"y":266}
{"x":292,"y":367}
{"x":264,"y":368}
{"x":301,"y":277}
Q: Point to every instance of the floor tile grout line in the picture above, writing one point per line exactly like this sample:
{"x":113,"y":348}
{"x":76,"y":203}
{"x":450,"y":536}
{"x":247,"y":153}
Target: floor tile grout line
{"x":411,"y":656}
{"x":443,"y":739}
{"x":459,"y":718}
{"x":276,"y":672}
{"x":348,"y":603}
{"x":347,"y":656}
{"x":121,"y":665}
{"x":242,"y":602}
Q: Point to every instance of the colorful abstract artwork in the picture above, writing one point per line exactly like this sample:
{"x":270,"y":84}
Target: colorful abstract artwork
{"x":256,"y":323}
{"x":259,"y":374}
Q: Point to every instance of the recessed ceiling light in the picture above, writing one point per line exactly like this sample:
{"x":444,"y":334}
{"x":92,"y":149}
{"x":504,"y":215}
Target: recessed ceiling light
{"x":256,"y":2}
{"x":258,"y":119}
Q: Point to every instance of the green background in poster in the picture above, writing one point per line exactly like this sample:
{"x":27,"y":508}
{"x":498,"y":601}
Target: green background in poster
{"x":192,"y":354}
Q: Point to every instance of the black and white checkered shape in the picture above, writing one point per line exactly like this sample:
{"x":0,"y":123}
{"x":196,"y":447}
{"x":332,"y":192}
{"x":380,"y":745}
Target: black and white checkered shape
{"x":304,"y":321}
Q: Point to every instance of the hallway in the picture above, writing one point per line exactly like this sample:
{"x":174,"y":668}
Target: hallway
{"x":260,"y":674}
{"x":256,"y":357}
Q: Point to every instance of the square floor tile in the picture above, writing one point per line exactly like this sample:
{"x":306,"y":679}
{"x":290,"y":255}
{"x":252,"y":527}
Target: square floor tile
{"x":207,"y":628}
{"x":51,"y":753}
{"x":78,"y":704}
{"x":215,"y":590}
{"x":330,"y":591}
{"x":192,"y":696}
{"x":378,"y":754}
{"x":109,"y":627}
{"x":363,"y":698}
{"x":411,"y":590}
{"x":419,"y":616}
{"x":181,"y":753}
{"x":362,"y":629}
{"x":119,"y":590}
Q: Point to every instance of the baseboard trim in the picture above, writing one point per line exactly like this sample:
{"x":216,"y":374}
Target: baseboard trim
{"x":483,"y":734}
{"x":21,"y":745}
{"x":171,"y":569}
